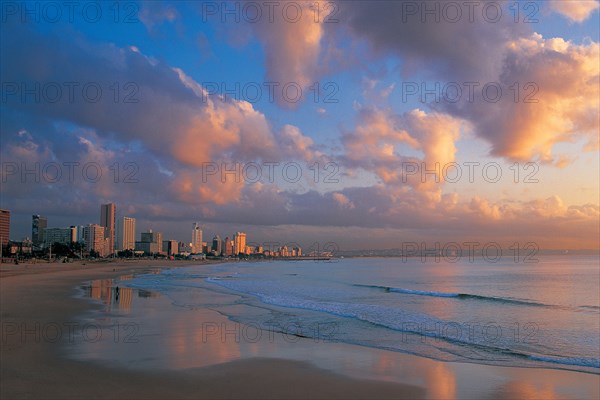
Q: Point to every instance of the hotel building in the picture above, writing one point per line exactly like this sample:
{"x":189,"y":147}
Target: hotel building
{"x":93,"y":235}
{"x":38,"y":226}
{"x":4,"y":227}
{"x":239,"y":243}
{"x":107,"y":220}
{"x":196,"y":239}
{"x":126,"y":234}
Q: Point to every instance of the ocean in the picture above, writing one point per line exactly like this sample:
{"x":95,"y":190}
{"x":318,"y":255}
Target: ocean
{"x":544,"y":314}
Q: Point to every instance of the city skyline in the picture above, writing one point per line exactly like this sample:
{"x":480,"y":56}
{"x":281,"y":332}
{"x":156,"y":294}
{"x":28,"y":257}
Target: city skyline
{"x":96,"y":238}
{"x":238,"y":241}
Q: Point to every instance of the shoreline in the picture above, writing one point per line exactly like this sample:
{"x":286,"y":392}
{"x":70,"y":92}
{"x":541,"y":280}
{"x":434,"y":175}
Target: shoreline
{"x":31,"y":368}
{"x":43,"y":293}
{"x":45,"y":267}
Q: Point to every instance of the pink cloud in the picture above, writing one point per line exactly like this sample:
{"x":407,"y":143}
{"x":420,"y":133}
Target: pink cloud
{"x":292,"y":49}
{"x":561,"y":103}
{"x":382,"y":143}
{"x":575,"y":10}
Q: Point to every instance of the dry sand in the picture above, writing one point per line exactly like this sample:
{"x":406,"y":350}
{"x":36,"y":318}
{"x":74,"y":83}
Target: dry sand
{"x":36,"y":368}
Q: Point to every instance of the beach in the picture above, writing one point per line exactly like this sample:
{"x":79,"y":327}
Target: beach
{"x":35,"y":363}
{"x":43,"y":294}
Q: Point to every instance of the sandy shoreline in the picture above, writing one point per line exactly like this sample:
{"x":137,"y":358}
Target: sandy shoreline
{"x":32,"y":367}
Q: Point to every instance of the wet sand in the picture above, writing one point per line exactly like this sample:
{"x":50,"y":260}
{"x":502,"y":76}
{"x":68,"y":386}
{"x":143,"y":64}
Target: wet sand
{"x":36,"y":298}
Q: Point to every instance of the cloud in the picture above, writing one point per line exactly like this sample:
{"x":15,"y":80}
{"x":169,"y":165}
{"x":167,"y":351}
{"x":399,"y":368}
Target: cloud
{"x":442,"y":47}
{"x":170,"y":114}
{"x":292,"y":50}
{"x":373,"y":94}
{"x":157,"y":196}
{"x":72,"y":170}
{"x":199,"y":187}
{"x":291,"y":36}
{"x":481,"y":51}
{"x":342,"y":200}
{"x":560,"y":75}
{"x":557,"y":102}
{"x":575,"y":10}
{"x":455,"y":217}
{"x":385,"y":143}
{"x":153,"y":14}
{"x":295,"y":145}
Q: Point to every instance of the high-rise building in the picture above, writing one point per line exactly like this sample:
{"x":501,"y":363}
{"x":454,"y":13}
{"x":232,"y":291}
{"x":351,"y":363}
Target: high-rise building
{"x":107,"y":220}
{"x":228,"y":247}
{"x":125,"y":234}
{"x":284,"y":251}
{"x":94,"y":237}
{"x":4,"y":227}
{"x":196,"y":239}
{"x":77,"y":233}
{"x":239,"y":240}
{"x":38,"y":226}
{"x":171,"y":247}
{"x":184,"y":248}
{"x":216,"y":246}
{"x":151,"y":242}
{"x":151,"y":237}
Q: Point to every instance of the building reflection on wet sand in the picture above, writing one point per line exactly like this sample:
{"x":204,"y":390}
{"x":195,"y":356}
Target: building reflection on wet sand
{"x":114,"y":296}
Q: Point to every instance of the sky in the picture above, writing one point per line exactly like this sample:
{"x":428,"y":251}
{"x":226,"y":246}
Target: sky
{"x":365,"y":124}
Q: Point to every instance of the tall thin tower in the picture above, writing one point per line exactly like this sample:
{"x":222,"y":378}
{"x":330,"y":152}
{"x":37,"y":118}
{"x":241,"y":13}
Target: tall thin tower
{"x":196,"y":239}
{"x":107,"y":220}
{"x":38,"y":230}
{"x":125,"y":234}
{"x":239,"y":243}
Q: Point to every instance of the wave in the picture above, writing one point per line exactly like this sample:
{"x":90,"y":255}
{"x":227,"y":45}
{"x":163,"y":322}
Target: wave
{"x":462,"y":296}
{"x":578,"y":361}
{"x":595,"y":308}
{"x":403,"y":321}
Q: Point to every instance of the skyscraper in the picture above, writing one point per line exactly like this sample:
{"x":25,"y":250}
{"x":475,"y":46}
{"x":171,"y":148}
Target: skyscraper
{"x":4,"y":227}
{"x":125,"y":234}
{"x":196,"y":239}
{"x":107,"y":220}
{"x":239,"y":243}
{"x":38,"y":226}
{"x":217,"y":245}
{"x":228,"y":247}
{"x":94,"y":238}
